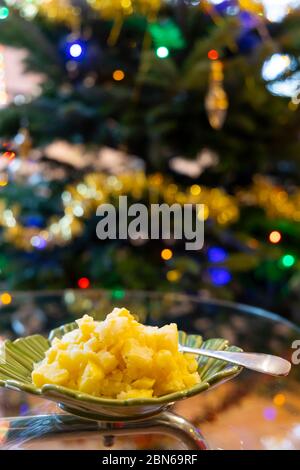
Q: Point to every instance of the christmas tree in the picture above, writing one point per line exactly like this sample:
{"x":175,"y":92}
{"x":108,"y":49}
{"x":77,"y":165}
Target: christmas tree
{"x":178,"y":101}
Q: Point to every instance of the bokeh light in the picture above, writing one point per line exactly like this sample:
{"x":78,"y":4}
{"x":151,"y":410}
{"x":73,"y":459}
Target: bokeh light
{"x":166,"y":254}
{"x":173,"y":275}
{"x":217,"y":254}
{"x":270,"y":413}
{"x":287,"y":261}
{"x":277,"y":70}
{"x":213,"y":54}
{"x":277,"y":65}
{"x":276,"y":10}
{"x":118,"y":75}
{"x":75,"y":50}
{"x":9,"y":155}
{"x":5,"y":298}
{"x":195,"y":190}
{"x":162,"y":52}
{"x":83,"y":283}
{"x":279,"y":399}
{"x":219,"y":276}
{"x":4,"y":13}
{"x":275,"y":236}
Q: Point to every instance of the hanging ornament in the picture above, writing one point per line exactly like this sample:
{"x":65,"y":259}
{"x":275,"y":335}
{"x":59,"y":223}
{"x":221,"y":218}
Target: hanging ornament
{"x":23,"y":142}
{"x":216,"y":102}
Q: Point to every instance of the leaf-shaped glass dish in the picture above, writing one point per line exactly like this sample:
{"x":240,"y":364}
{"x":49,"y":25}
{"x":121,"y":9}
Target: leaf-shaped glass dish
{"x":17,"y":359}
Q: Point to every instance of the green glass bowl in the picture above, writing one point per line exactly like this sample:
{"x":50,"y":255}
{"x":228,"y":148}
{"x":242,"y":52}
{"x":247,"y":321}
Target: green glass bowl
{"x":17,"y":359}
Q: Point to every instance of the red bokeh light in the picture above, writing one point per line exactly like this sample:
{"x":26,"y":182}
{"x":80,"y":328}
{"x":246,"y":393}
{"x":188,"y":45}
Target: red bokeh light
{"x":9,"y":155}
{"x":213,"y":54}
{"x":83,"y":283}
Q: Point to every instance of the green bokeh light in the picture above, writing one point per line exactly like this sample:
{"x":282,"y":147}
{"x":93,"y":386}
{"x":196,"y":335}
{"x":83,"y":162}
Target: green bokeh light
{"x":118,"y":294}
{"x":287,"y":261}
{"x":4,"y":12}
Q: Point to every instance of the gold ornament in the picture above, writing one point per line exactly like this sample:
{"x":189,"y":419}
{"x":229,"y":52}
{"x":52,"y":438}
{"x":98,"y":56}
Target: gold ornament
{"x":216,"y":102}
{"x":24,"y":142}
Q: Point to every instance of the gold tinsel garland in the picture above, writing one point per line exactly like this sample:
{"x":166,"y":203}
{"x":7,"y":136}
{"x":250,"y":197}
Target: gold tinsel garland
{"x":275,"y":200}
{"x":65,"y":11}
{"x":81,"y":200}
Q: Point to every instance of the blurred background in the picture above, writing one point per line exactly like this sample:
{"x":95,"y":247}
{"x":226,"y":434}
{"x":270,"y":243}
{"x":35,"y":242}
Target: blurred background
{"x":189,"y":101}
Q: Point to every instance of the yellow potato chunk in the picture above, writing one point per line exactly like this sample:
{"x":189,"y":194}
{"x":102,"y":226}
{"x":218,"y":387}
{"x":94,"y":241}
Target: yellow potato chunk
{"x":118,"y":358}
{"x":91,"y":378}
{"x":50,"y":374}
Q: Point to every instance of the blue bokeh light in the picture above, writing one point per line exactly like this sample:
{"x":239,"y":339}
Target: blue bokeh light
{"x":219,"y":276}
{"x":75,"y":49}
{"x":217,"y":254}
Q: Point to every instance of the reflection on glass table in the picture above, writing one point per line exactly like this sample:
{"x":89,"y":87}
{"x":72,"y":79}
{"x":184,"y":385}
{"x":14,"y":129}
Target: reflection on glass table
{"x":252,"y":411}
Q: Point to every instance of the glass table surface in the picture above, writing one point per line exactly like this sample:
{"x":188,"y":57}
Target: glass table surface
{"x":252,"y":411}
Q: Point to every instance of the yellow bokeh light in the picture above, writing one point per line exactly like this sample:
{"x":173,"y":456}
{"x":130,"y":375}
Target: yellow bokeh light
{"x":205,"y":213}
{"x":166,"y":254}
{"x":118,"y":75}
{"x":173,"y":275}
{"x":6,"y":298}
{"x":195,"y":190}
{"x":275,"y":236}
{"x":279,"y":399}
{"x":3,"y":183}
{"x":126,"y":3}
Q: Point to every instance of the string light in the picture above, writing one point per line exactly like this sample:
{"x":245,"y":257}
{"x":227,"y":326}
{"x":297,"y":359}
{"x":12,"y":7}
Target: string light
{"x":75,"y":50}
{"x":287,"y":261}
{"x":205,"y":212}
{"x":173,"y":275}
{"x":275,"y":237}
{"x":162,"y":52}
{"x":279,"y":399}
{"x":83,"y":283}
{"x":118,"y":294}
{"x":166,"y":254}
{"x":270,"y":413}
{"x":213,"y":54}
{"x":220,"y":276}
{"x":118,"y":75}
{"x":195,"y":190}
{"x":4,"y":12}
{"x":216,"y":254}
{"x":5,"y":298}
{"x":9,"y":155}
